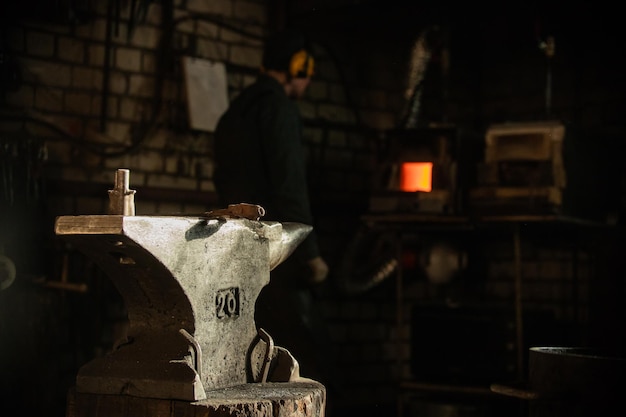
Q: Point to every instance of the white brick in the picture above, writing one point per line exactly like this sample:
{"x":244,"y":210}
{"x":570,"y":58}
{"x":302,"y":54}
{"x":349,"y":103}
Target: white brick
{"x":71,"y":50}
{"x":250,"y":12}
{"x":70,"y":173}
{"x":88,"y":78}
{"x":184,"y":166}
{"x":112,"y":103}
{"x":207,"y":29}
{"x":145,"y":208}
{"x":374,"y":98}
{"x":128,"y":59}
{"x":103,"y":176}
{"x":47,"y":73}
{"x":207,"y":186}
{"x":335,"y":113}
{"x":100,"y":7}
{"x":166,"y":181}
{"x":95,"y":55}
{"x":39,"y":44}
{"x":338,"y":158}
{"x":169,"y":208}
{"x":91,"y":205}
{"x":159,"y":139}
{"x":153,"y":14}
{"x":73,"y":125}
{"x":148,"y":62}
{"x":15,"y":39}
{"x":185,"y":24}
{"x":119,"y":34}
{"x":223,"y":7}
{"x":248,"y":80}
{"x":379,"y":119}
{"x":338,"y":93}
{"x":313,"y":135}
{"x":171,"y":164}
{"x":78,"y":103}
{"x":149,"y":161}
{"x":194,"y":208}
{"x":246,"y":55}
{"x":61,"y":205}
{"x":211,"y":50}
{"x":317,"y":90}
{"x":96,"y":30}
{"x":145,"y":36}
{"x":136,"y":179}
{"x":49,"y":99}
{"x":253,"y":35}
{"x":134,"y":164}
{"x":119,"y":162}
{"x":24,"y":97}
{"x":131,"y":109}
{"x":337,"y":139}
{"x":119,"y":132}
{"x":59,"y":152}
{"x":328,"y":68}
{"x":201,"y":143}
{"x":307,"y":110}
{"x":203,"y":169}
{"x":141,"y":85}
{"x":92,"y":128}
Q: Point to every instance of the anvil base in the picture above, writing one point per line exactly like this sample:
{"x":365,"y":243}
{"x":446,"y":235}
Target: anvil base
{"x":306,"y":398}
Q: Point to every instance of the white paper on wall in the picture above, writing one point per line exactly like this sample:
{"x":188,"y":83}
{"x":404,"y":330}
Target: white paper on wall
{"x":207,"y":92}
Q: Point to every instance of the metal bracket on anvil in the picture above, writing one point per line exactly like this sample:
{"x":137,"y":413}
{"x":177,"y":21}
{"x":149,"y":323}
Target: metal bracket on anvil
{"x":189,"y":284}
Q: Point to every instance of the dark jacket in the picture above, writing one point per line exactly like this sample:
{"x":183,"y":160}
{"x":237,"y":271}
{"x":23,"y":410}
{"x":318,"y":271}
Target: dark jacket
{"x":259,"y":157}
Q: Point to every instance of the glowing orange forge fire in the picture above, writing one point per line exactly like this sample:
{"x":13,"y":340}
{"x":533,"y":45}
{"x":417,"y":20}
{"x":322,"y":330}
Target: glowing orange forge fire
{"x":416,"y":176}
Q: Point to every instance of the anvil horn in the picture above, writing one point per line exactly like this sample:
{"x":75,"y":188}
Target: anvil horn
{"x":282,"y":245}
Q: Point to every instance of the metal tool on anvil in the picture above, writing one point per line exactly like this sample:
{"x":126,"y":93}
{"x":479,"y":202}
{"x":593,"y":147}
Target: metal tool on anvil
{"x":189,"y":284}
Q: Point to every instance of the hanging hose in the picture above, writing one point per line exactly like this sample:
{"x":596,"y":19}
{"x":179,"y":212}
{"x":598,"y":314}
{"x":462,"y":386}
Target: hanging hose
{"x":369,"y":259}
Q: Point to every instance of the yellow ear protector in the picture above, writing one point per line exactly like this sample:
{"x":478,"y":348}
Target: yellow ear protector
{"x":301,"y":64}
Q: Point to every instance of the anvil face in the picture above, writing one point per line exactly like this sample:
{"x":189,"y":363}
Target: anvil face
{"x":190,"y":287}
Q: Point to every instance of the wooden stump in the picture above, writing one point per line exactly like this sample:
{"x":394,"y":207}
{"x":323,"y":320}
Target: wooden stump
{"x":275,"y":399}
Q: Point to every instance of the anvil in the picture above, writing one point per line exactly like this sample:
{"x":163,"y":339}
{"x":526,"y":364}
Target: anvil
{"x":189,"y":284}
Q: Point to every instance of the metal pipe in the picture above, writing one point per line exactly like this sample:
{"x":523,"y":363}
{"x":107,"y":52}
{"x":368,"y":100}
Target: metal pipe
{"x":106,"y":73}
{"x":519,"y":323}
{"x":548,"y":47}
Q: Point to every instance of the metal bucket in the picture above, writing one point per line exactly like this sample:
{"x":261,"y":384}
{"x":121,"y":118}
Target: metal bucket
{"x":572,"y":382}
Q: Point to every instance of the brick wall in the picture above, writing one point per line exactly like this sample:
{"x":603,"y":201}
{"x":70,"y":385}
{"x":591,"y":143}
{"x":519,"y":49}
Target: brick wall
{"x":140,"y":123}
{"x":83,"y":120}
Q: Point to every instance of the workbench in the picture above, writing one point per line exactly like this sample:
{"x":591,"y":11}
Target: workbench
{"x":516,"y":227}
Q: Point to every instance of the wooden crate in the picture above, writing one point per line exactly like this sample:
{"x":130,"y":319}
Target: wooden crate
{"x":524,"y":141}
{"x":527,"y":142}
